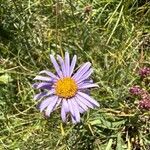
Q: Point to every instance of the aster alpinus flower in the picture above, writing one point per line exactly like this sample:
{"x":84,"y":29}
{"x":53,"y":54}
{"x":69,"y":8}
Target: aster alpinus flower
{"x":66,"y":88}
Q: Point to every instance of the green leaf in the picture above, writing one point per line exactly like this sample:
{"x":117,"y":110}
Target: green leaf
{"x":119,"y":142}
{"x":105,"y":121}
{"x":110,"y":142}
{"x":5,"y":78}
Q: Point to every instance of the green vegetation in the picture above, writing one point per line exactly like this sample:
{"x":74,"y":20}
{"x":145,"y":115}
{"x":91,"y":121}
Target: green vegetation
{"x":112,"y":34}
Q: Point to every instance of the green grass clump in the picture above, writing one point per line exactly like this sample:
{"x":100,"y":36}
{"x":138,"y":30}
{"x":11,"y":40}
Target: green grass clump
{"x":112,"y":34}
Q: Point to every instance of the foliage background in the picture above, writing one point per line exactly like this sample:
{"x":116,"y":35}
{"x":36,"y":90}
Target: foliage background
{"x":112,"y":34}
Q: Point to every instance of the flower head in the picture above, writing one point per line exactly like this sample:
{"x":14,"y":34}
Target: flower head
{"x":66,"y":88}
{"x":135,"y":90}
{"x":144,"y":104}
{"x":144,"y":72}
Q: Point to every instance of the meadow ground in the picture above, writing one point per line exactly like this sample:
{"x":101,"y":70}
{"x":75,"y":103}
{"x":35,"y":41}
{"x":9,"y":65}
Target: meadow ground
{"x":114,"y":35}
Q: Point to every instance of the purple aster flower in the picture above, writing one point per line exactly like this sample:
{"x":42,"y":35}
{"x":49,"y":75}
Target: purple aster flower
{"x":144,"y":72}
{"x":135,"y":90}
{"x":66,"y":88}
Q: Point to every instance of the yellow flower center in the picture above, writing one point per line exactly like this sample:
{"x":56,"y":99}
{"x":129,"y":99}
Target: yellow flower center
{"x":66,"y":87}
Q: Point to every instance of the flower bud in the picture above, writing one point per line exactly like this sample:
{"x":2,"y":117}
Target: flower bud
{"x":144,"y":72}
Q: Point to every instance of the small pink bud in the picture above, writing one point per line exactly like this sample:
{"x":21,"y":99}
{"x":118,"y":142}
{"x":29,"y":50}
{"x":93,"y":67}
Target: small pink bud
{"x":135,"y":90}
{"x":144,"y":104}
{"x":144,"y":72}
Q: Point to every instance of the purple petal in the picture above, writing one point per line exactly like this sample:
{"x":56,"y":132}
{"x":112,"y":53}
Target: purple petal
{"x":73,"y":119}
{"x":81,"y":110}
{"x":87,"y":81}
{"x":35,"y":85}
{"x":64,"y":109}
{"x":70,"y":107}
{"x":62,"y":64}
{"x":84,"y":101}
{"x":67,"y":64}
{"x":44,"y":85}
{"x":49,"y":74}
{"x":81,"y":104}
{"x":73,"y":63}
{"x":58,"y":102}
{"x":48,"y":79}
{"x":56,"y":66}
{"x":76,"y":110}
{"x":40,"y":95}
{"x":45,"y":103}
{"x":50,"y":92}
{"x":90,"y":99}
{"x":82,"y":70}
{"x":43,"y":94}
{"x":85,"y":76}
{"x":87,"y":85}
{"x":63,"y":113}
{"x":51,"y":106}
